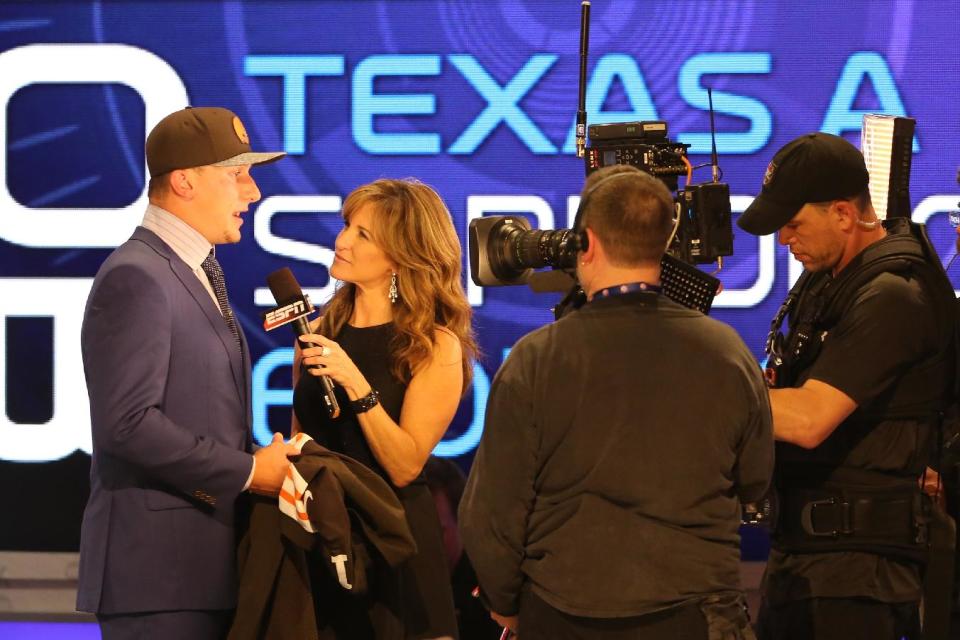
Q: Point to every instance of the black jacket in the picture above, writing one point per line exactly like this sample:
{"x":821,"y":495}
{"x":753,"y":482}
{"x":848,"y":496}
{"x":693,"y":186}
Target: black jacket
{"x":329,"y":502}
{"x":616,"y":445}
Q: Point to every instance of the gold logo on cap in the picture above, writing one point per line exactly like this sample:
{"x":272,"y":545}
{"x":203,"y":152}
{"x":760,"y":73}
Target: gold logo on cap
{"x":768,"y":176}
{"x":240,"y":131}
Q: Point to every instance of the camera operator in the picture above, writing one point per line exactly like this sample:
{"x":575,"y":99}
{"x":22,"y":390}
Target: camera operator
{"x":859,"y":383}
{"x":604,"y":500}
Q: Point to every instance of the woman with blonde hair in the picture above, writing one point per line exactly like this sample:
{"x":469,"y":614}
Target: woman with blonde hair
{"x":396,"y":340}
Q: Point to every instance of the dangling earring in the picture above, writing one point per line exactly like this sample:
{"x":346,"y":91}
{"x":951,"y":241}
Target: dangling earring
{"x":393,"y":294}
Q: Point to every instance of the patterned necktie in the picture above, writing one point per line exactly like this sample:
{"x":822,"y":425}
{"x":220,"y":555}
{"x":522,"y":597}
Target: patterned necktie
{"x":214,"y":273}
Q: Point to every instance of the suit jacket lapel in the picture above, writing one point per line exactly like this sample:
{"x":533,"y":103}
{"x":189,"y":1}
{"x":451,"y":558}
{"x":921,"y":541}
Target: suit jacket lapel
{"x":190,"y":281}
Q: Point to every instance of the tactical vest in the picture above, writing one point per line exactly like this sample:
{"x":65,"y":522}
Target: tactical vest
{"x":861,"y":510}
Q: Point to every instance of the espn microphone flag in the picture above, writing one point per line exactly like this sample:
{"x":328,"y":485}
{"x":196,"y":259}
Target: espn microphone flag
{"x":287,"y":313}
{"x":294,"y":309}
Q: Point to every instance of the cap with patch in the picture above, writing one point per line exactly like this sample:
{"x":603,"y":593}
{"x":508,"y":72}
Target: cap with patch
{"x":816,"y":167}
{"x":200,"y":136}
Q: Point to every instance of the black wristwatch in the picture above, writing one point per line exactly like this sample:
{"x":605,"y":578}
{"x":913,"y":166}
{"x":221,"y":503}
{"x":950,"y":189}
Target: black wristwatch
{"x":367,"y":402}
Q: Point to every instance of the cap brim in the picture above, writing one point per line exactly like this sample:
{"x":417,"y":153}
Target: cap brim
{"x":252,"y":157}
{"x":764,"y":216}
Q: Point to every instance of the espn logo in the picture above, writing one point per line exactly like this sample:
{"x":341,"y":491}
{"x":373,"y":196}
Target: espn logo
{"x":287,"y":313}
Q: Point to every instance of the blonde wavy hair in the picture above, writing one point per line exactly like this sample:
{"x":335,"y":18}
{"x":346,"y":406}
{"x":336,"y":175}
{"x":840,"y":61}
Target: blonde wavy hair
{"x":414,"y":229}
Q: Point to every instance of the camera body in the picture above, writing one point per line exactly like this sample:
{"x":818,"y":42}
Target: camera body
{"x":643,"y":145}
{"x":704,"y":221}
{"x":504,"y":250}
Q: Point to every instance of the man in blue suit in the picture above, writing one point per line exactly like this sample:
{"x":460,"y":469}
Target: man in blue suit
{"x":168,"y":375}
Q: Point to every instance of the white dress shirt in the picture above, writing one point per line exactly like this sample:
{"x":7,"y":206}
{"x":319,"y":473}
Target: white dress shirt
{"x":186,"y":242}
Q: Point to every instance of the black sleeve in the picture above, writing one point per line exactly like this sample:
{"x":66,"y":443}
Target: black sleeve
{"x":499,"y":494}
{"x":889,"y":327}
{"x":754,"y":466}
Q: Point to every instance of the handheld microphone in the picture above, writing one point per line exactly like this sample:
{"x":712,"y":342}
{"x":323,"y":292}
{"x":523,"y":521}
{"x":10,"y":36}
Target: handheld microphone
{"x":294,"y":310}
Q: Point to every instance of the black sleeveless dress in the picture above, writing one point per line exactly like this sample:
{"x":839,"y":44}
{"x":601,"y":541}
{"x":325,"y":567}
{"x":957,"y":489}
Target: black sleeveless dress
{"x":414,"y":601}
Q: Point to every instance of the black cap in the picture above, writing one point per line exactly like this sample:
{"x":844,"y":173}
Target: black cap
{"x":816,"y":167}
{"x":200,"y":136}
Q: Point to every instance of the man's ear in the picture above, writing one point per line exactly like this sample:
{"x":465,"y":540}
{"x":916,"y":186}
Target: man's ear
{"x":181,"y":183}
{"x":592,"y":247}
{"x":846,"y":213}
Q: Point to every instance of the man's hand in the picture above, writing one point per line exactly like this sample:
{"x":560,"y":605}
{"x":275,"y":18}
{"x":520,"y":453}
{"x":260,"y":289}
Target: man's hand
{"x":508,"y":622}
{"x":271,"y":466}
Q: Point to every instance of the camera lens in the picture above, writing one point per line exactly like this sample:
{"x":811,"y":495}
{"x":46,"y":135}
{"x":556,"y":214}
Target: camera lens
{"x":504,"y":250}
{"x":540,"y":248}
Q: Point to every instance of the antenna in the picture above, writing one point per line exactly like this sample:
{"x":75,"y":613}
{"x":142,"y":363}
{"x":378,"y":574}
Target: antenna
{"x":582,"y":104}
{"x":714,"y":161}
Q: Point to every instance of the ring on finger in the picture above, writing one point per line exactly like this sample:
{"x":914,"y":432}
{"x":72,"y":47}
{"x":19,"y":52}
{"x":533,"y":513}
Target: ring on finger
{"x":325,"y":351}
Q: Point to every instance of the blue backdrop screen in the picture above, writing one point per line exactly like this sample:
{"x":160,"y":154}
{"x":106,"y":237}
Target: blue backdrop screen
{"x":476,"y":99}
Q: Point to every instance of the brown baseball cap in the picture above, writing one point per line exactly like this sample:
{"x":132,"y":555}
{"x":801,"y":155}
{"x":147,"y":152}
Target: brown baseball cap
{"x":816,"y":167}
{"x":200,"y":136}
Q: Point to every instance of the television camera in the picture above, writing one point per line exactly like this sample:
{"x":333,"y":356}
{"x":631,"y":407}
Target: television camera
{"x":504,"y":250}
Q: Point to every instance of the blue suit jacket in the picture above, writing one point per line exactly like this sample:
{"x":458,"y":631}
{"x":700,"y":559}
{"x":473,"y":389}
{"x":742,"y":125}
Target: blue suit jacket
{"x":170,"y":409}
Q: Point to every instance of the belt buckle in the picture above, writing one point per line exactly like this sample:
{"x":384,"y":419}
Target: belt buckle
{"x":806,"y":518}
